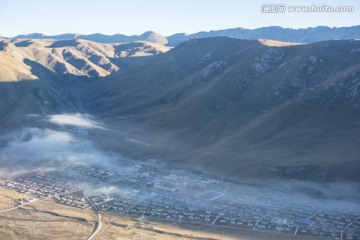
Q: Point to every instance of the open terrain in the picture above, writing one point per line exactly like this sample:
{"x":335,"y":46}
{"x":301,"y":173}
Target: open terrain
{"x":42,"y":219}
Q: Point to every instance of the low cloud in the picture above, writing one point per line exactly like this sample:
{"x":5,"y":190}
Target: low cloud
{"x":31,"y":149}
{"x":137,"y":141}
{"x":76,"y":120}
{"x":35,"y":144}
{"x":111,"y":190}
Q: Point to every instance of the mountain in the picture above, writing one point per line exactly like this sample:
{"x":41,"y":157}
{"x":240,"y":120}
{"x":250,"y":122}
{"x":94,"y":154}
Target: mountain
{"x":34,"y":73}
{"x":71,"y":58}
{"x":66,"y":36}
{"x":240,"y":108}
{"x":150,"y":36}
{"x":153,"y":37}
{"x":232,"y":107}
{"x":304,"y":35}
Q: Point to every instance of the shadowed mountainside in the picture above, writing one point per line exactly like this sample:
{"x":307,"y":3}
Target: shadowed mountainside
{"x":241,"y":107}
{"x":35,"y":73}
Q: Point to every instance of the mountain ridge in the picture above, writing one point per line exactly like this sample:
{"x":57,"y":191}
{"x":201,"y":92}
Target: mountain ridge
{"x":304,"y":35}
{"x":76,"y":57}
{"x":149,"y":36}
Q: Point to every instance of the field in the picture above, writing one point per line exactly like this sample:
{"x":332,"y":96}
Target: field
{"x":42,"y":219}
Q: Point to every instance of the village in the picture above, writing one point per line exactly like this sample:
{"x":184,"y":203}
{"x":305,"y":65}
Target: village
{"x":143,"y":191}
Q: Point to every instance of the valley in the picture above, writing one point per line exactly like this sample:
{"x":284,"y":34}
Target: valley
{"x":180,"y":137}
{"x":220,"y":105}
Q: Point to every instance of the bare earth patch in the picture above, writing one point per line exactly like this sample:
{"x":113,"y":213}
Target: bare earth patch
{"x":43,"y":220}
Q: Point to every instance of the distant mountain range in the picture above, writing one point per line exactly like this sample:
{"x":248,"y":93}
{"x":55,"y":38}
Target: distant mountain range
{"x":149,"y":36}
{"x":302,"y":35}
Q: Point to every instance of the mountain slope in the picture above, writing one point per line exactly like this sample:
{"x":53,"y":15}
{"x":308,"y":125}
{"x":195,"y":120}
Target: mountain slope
{"x":35,"y":73}
{"x":242,"y":107}
{"x":72,"y":58}
{"x":233,"y":107}
{"x":12,"y":67}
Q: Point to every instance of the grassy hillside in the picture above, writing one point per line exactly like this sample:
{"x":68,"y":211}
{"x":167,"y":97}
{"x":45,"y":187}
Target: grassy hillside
{"x":71,"y":58}
{"x":241,"y":107}
{"x":43,"y":219}
{"x":35,"y":73}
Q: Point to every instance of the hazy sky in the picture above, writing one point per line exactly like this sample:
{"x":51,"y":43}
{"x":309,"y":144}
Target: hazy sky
{"x":163,"y":16}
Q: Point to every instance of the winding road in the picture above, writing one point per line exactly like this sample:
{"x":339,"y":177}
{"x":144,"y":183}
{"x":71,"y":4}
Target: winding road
{"x":99,"y":223}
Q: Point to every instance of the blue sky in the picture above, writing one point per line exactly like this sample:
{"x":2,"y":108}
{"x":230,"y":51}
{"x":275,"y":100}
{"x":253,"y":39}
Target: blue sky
{"x":164,"y":16}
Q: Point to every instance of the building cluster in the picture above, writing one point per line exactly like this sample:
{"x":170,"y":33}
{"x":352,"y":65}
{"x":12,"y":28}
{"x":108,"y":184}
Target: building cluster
{"x":148,"y":192}
{"x":52,"y":186}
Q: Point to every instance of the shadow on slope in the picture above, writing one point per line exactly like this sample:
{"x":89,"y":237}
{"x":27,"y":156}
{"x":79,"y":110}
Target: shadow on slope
{"x":64,"y":43}
{"x":243,"y":108}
